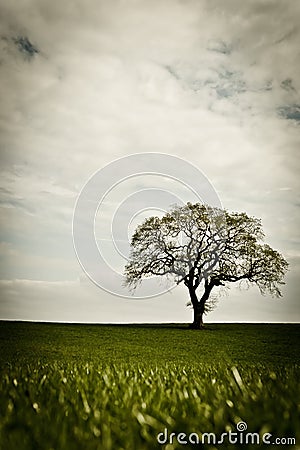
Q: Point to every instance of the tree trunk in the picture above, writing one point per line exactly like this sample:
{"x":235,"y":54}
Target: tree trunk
{"x":198,"y":313}
{"x":198,"y":319}
{"x":199,"y":305}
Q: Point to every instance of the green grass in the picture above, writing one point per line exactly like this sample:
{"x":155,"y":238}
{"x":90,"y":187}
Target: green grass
{"x":65,"y":386}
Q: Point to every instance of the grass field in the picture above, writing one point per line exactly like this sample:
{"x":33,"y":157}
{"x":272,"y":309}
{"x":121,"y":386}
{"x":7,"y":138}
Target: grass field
{"x":66,"y":386}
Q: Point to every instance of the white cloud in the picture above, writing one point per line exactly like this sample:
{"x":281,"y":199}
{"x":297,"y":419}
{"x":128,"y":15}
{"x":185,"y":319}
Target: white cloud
{"x":81,"y":301}
{"x":208,"y":82}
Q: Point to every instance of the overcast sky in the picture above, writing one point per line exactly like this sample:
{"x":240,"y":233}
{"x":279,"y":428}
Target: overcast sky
{"x":86,"y":82}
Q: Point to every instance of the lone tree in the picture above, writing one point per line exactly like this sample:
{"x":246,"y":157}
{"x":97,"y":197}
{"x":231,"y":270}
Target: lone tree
{"x":204,"y":247}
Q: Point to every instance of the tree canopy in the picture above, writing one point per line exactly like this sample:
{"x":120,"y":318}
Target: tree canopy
{"x":203,"y":247}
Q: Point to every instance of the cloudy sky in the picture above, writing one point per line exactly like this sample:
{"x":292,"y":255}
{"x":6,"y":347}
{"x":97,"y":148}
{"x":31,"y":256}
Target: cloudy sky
{"x":84,"y":83}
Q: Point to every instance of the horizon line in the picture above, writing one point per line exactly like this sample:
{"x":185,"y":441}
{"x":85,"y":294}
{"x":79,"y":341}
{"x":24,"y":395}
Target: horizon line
{"x":142,"y":323}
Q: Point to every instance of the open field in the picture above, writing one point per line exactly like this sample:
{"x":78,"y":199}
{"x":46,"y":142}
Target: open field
{"x":65,"y":386}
